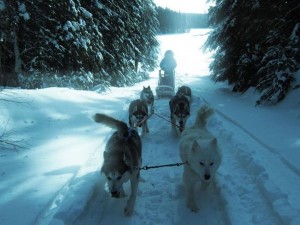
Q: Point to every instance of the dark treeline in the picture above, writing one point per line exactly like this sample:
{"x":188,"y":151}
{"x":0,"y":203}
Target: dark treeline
{"x":256,"y":44}
{"x":176,"y":22}
{"x":78,"y":43}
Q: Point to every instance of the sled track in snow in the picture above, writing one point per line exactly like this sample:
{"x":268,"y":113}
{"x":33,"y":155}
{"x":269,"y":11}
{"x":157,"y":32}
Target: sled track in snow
{"x":152,"y":195}
{"x":259,"y":180}
{"x":264,"y":145}
{"x":215,"y":208}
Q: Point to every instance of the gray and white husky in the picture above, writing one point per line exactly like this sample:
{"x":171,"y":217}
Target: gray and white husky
{"x":122,"y":159}
{"x":179,"y":112}
{"x":138,"y":115}
{"x":148,"y":97}
{"x":200,"y":153}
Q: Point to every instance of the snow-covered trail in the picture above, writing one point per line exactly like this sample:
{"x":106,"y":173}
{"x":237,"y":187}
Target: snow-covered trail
{"x":161,"y":198}
{"x":247,"y":189}
{"x":157,"y":202}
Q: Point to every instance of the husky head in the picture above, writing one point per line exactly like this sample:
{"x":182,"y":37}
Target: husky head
{"x":139,"y":114}
{"x":204,"y":158}
{"x":147,"y":94}
{"x":181,"y":114}
{"x":117,"y":171}
{"x":185,"y":91}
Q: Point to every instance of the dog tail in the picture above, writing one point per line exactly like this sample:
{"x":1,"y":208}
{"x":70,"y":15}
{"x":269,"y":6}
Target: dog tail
{"x":202,"y":115}
{"x":111,"y":122}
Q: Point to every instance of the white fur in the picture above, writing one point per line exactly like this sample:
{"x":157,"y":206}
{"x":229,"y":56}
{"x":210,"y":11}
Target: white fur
{"x":199,"y":150}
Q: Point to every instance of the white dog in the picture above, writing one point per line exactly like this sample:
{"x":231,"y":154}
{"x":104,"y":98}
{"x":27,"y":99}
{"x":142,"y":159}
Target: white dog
{"x":199,"y":151}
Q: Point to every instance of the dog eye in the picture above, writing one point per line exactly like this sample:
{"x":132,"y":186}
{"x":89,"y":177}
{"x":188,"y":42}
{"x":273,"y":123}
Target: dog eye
{"x":201,"y":163}
{"x":119,"y":177}
{"x":211,"y":164}
{"x":108,"y":178}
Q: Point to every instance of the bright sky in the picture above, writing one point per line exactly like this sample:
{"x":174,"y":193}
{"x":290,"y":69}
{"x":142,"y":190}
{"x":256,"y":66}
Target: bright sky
{"x":191,"y":6}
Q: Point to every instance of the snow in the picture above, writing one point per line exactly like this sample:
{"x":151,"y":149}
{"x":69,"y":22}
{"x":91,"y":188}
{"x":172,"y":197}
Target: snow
{"x":23,"y":12}
{"x":55,"y":179}
{"x":2,"y":5}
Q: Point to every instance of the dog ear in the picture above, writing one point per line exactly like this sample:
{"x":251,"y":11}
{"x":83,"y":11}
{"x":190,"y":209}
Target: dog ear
{"x":126,"y":159}
{"x":148,"y":86}
{"x":176,"y":107}
{"x":186,"y":107}
{"x":145,"y":109}
{"x":214,"y":141}
{"x":134,"y":109}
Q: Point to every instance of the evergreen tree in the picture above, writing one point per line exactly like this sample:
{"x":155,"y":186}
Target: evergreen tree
{"x":129,"y":37}
{"x":256,"y":45}
{"x":101,"y":40}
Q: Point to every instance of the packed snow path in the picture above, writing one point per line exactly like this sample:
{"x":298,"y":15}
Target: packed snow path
{"x":162,"y":201}
{"x":56,"y":180}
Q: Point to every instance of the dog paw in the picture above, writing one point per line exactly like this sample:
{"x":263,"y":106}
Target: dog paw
{"x":128,"y":211}
{"x":193,"y":207}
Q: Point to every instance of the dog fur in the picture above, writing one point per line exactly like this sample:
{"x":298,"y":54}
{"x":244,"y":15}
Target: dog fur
{"x":200,"y":153}
{"x":148,"y":97}
{"x":122,"y":159}
{"x":138,"y":115}
{"x":186,"y":91}
{"x":179,"y":112}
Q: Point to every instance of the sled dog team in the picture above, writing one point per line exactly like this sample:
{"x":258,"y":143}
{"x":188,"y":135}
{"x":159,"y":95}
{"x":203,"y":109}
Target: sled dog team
{"x":123,"y":151}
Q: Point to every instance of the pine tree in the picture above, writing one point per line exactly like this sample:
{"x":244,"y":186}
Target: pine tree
{"x":279,"y":63}
{"x":256,"y":45}
{"x":103,"y":41}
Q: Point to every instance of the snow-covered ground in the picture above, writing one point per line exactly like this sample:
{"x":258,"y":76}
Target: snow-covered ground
{"x":56,"y":180}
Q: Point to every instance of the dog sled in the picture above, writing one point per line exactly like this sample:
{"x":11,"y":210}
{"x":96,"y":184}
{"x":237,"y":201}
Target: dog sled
{"x":166,"y":84}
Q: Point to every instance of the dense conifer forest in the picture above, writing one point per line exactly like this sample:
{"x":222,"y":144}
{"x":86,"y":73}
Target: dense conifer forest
{"x":76,"y":43}
{"x":256,"y":44}
{"x":82,"y":44}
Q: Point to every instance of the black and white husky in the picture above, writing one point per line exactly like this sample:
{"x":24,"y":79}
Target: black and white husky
{"x":138,"y":115}
{"x":122,"y":159}
{"x":148,"y":97}
{"x":179,"y":112}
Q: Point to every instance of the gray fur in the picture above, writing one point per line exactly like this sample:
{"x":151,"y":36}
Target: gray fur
{"x":179,"y":112}
{"x":138,"y":116}
{"x":122,"y":159}
{"x":148,"y":97}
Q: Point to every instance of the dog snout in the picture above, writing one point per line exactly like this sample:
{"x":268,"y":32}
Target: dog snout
{"x":207,"y":177}
{"x":115,"y":194}
{"x":181,"y":127}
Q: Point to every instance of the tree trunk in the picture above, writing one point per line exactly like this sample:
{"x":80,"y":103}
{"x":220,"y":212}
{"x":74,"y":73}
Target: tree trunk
{"x":16,"y":52}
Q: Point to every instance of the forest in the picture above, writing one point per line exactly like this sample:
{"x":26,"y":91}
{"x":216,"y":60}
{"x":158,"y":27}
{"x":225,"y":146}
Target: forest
{"x":76,"y":43}
{"x":256,"y":44}
{"x":82,"y":44}
{"x":177,"y":22}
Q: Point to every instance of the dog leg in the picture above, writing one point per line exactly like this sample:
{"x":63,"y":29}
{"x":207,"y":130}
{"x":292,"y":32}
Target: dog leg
{"x":147,"y":128}
{"x":122,"y":192}
{"x":128,"y":210}
{"x":189,"y":180}
{"x":129,"y":121}
{"x":173,"y":126}
{"x":152,"y":109}
{"x":143,"y":130}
